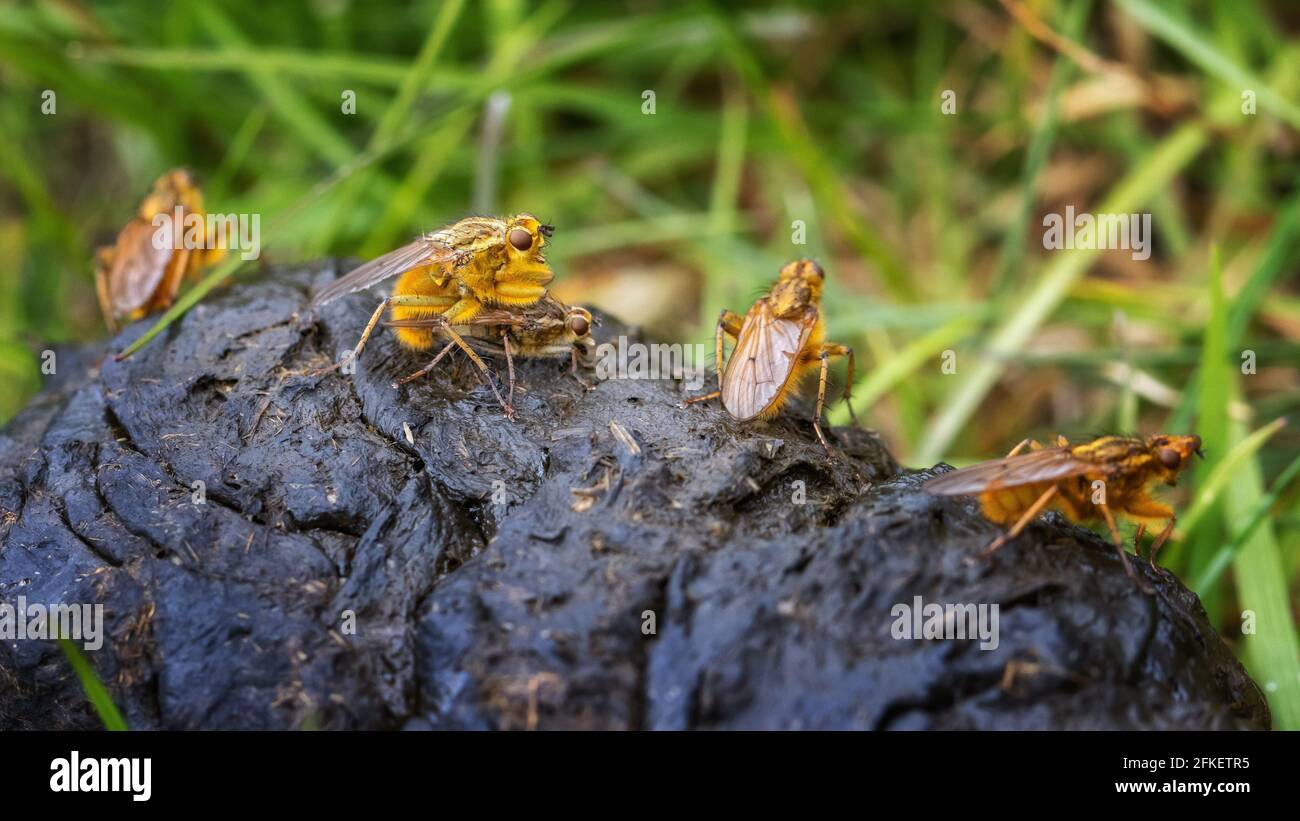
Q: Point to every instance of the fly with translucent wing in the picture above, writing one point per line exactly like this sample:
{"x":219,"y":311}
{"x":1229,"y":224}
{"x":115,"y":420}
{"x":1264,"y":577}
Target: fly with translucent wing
{"x":135,"y":277}
{"x":1092,"y":481}
{"x":450,"y":275}
{"x":544,"y":330}
{"x":780,"y":339}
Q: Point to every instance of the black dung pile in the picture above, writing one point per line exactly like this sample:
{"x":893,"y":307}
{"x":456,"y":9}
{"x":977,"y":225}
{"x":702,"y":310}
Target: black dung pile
{"x":365,"y":557}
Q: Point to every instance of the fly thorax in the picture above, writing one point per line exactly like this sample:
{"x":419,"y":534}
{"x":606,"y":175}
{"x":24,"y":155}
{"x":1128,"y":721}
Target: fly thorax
{"x":789,"y":298}
{"x":478,"y":278}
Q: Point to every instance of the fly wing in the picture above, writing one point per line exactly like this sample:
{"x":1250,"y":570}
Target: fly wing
{"x":478,"y":332}
{"x":1039,"y":466}
{"x":487,"y":316}
{"x":413,"y":255}
{"x":546,"y":311}
{"x":763,"y":360}
{"x":435,"y":321}
{"x":138,"y":268}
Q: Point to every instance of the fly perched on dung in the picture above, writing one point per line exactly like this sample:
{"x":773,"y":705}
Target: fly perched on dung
{"x":546,"y":329}
{"x":450,"y":275}
{"x":780,"y":339}
{"x":1091,"y":481}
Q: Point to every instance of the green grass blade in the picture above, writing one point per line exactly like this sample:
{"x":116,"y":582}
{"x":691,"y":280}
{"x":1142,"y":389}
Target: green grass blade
{"x":1148,"y":177}
{"x":434,"y":154}
{"x":416,"y":80}
{"x":1272,"y":652}
{"x":1276,"y":255}
{"x":1198,"y":48}
{"x":358,"y":68}
{"x":823,"y":178}
{"x":730,"y":164}
{"x":1224,"y":473}
{"x":295,"y":112}
{"x":1281,"y":244}
{"x":1214,"y":386}
{"x":1040,"y":146}
{"x":219,"y":274}
{"x":95,"y":690}
{"x":888,"y":375}
{"x":1228,"y":552}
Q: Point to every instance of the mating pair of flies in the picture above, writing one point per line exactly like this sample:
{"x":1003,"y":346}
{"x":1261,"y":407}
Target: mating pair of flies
{"x":481,"y":283}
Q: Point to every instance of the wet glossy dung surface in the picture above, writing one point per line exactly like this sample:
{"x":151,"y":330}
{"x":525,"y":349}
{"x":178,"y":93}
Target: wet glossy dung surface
{"x":467,"y":613}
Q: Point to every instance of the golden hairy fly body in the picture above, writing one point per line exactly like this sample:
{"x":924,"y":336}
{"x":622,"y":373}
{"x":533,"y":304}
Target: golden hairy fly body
{"x":1098,"y":480}
{"x":545,"y":329}
{"x":778,"y":341}
{"x":134,"y":277}
{"x":426,"y":281}
{"x":451,"y":275}
{"x":807,"y":363}
{"x":1006,"y":505}
{"x":497,"y":271}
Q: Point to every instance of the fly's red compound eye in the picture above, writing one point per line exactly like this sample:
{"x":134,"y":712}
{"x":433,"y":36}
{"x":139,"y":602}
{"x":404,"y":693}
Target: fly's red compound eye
{"x":520,"y":239}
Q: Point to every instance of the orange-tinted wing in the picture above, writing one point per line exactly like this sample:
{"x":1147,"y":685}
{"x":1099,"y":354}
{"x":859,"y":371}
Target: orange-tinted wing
{"x":470,"y":329}
{"x":763,"y":361}
{"x":548,"y":308}
{"x":489,"y":316}
{"x":138,"y":268}
{"x":413,"y":255}
{"x":1045,"y":465}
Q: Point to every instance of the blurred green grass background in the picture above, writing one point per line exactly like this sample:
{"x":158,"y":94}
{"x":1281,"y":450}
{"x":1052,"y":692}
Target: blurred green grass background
{"x":929,"y":224}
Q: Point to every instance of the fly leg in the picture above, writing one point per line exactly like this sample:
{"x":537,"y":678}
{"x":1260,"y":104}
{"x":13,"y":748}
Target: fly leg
{"x":845,"y":350}
{"x":1023,"y":444}
{"x":459,"y":342}
{"x":427,"y":368}
{"x":510,"y":367}
{"x":706,"y":397}
{"x":406,"y":300}
{"x":821,"y":400}
{"x":460,"y":312}
{"x":1160,"y":542}
{"x":825,"y":357}
{"x":1118,"y":541}
{"x":1021,"y":524}
{"x":1144,"y":507}
{"x":728,"y":325}
{"x":573,"y":369}
{"x":827,"y":352}
{"x":717,"y":352}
